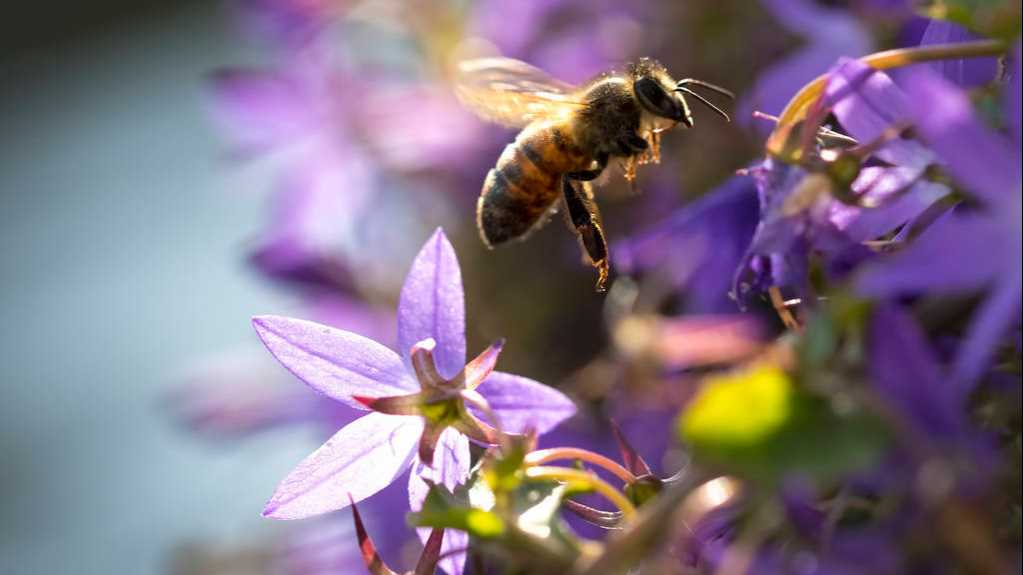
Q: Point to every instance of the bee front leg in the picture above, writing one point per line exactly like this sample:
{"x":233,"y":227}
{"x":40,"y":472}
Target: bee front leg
{"x":584,"y":218}
{"x":632,"y":144}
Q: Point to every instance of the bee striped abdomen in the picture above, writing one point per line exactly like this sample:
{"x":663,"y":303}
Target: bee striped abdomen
{"x":520,"y":190}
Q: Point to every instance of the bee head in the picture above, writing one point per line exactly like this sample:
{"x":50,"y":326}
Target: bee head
{"x":655,"y":91}
{"x":662,"y":96}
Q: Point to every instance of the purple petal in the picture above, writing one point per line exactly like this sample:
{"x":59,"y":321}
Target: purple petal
{"x":990,"y":323}
{"x":336,"y":363}
{"x":892,"y":209}
{"x":906,"y":375}
{"x":522,"y":403}
{"x":973,"y":154}
{"x":450,"y":468}
{"x":1012,"y":96}
{"x":317,"y":203}
{"x":444,"y":129}
{"x":698,"y":247}
{"x":432,"y":305}
{"x":865,"y":101}
{"x":293,"y":24}
{"x":967,"y":72}
{"x":361,"y":459}
{"x":956,"y":254}
{"x":259,"y":109}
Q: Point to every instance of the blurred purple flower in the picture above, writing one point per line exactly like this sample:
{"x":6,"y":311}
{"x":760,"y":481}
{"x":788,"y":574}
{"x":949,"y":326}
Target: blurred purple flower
{"x":941,"y":453}
{"x":327,"y":180}
{"x":334,"y":133}
{"x":830,"y":33}
{"x":233,"y":395}
{"x":291,"y":24}
{"x":968,"y":249}
{"x":375,"y":449}
{"x":906,"y":374}
{"x":420,"y":126}
{"x":321,"y":547}
{"x":571,"y":39}
{"x":697,"y":248}
{"x":799,"y":213}
{"x":224,"y":400}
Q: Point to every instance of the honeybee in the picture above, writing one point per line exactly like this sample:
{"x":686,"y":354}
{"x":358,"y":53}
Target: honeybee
{"x":569,"y":134}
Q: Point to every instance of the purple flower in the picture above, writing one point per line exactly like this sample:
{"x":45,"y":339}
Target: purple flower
{"x":799,"y":212}
{"x":830,"y":33}
{"x":336,"y":135}
{"x":868,"y":104}
{"x":232,"y":395}
{"x":967,"y":72}
{"x":573,"y":39}
{"x":930,"y":410}
{"x":969,"y":249}
{"x":697,"y":248}
{"x":327,"y":181}
{"x":906,"y":375}
{"x":293,"y":24}
{"x":419,"y":398}
{"x":222,"y":399}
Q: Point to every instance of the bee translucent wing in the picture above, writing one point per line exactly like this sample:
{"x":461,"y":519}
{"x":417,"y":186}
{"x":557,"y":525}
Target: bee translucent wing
{"x":511,"y":92}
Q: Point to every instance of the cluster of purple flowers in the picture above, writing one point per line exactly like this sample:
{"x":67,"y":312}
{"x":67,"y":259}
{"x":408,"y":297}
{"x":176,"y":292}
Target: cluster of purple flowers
{"x":820,"y":358}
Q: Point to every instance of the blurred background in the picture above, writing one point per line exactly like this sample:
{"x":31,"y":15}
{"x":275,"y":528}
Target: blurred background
{"x":123,"y":236}
{"x":168,"y":170}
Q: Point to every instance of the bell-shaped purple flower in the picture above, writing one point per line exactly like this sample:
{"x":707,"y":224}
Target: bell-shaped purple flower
{"x":800,"y":212}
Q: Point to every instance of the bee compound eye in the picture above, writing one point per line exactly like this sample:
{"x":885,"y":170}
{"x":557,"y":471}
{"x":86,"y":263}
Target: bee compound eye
{"x":654,"y":98}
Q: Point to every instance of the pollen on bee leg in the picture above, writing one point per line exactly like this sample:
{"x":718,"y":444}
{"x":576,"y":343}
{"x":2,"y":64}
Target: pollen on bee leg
{"x":629,"y":169}
{"x":653,"y":153}
{"x":603,"y":270}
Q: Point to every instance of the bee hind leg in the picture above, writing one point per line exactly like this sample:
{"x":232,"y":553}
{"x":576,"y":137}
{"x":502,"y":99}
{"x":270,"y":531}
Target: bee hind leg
{"x":584,"y":217}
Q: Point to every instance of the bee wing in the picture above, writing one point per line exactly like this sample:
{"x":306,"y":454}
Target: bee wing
{"x":513,"y":93}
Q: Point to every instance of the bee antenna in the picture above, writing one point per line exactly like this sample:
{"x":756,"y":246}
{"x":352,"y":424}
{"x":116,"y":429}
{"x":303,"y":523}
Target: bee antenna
{"x":712,"y":87}
{"x":704,"y":101}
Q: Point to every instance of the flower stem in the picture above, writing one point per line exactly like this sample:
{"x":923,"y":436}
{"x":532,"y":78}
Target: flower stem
{"x":561,"y":453}
{"x":590,"y":480}
{"x":808,"y":94}
{"x":778,"y":302}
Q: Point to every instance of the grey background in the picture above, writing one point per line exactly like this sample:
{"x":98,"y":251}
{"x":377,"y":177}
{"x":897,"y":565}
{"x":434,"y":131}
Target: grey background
{"x":121,"y":234}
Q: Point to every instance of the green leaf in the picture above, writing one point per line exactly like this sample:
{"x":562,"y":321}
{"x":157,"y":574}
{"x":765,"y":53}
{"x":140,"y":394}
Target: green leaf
{"x":995,"y":18}
{"x":443,"y":509}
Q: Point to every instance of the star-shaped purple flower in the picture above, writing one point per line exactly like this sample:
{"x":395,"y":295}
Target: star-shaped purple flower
{"x":420,"y":398}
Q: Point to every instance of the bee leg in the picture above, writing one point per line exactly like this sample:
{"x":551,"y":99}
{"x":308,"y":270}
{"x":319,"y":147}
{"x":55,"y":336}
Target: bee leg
{"x":584,"y":217}
{"x":587,"y":175}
